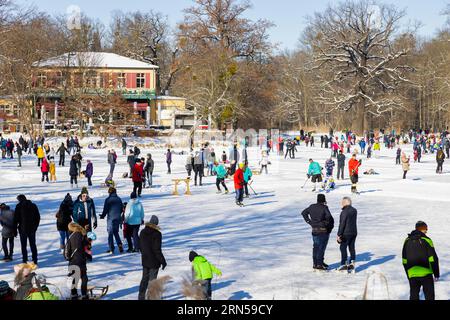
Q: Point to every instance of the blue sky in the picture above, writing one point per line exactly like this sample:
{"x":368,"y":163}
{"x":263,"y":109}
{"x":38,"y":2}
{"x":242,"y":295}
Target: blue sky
{"x":288,"y":15}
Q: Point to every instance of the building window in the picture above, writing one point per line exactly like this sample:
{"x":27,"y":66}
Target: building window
{"x":140,"y":80}
{"x":42,"y":80}
{"x":91,"y":79}
{"x":58,"y":79}
{"x":121,"y":80}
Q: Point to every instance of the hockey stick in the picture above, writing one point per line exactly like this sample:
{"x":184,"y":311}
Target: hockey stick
{"x":306,"y":181}
{"x":250,"y":185}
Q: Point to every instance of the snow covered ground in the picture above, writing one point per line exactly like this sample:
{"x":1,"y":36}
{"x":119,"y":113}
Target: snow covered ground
{"x":263,"y":249}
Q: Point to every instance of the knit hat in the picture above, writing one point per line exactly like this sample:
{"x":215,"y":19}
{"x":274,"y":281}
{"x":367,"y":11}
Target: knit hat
{"x":133,"y":195}
{"x":420,"y":225}
{"x":192,"y":255}
{"x":4,"y":287}
{"x":321,"y":198}
{"x":84,"y":190}
{"x":154,"y":220}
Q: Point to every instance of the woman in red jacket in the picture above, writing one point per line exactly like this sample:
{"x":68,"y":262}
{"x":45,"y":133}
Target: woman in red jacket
{"x":138,"y":177}
{"x":45,"y":168}
{"x":239,"y":185}
{"x":353,"y":167}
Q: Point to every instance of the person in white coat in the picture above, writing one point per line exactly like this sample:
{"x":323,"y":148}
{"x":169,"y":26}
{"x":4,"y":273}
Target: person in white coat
{"x":133,"y":218}
{"x":264,"y":161}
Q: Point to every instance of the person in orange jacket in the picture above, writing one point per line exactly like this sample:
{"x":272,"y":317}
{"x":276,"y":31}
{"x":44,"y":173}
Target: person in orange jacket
{"x":45,"y":168}
{"x":239,"y":184}
{"x":353,"y":167}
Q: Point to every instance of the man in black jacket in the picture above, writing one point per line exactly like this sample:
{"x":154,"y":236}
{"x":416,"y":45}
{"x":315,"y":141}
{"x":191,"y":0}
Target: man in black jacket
{"x":347,"y":233}
{"x":152,"y":257}
{"x":27,"y":218}
{"x":318,"y":216}
{"x":420,"y":262}
{"x":75,"y":254}
{"x":62,"y":154}
{"x":340,"y":165}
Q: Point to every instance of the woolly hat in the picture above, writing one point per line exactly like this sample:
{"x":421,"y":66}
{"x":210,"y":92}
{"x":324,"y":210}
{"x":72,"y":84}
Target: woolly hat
{"x":420,"y":225}
{"x":192,"y":255}
{"x":321,"y":198}
{"x":154,"y":220}
{"x":4,"y":287}
{"x":84,"y":190}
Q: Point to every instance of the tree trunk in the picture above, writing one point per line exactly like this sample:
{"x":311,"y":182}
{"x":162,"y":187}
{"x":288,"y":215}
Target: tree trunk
{"x":360,"y":121}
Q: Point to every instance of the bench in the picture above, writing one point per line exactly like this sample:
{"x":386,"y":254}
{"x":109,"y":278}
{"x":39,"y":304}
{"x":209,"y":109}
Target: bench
{"x":177,"y":182}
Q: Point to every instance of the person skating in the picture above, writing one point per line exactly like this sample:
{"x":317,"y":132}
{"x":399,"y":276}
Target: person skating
{"x":169,"y":161}
{"x":189,"y":166}
{"x":9,"y":232}
{"x":52,"y":169}
{"x":340,"y":165}
{"x":203,"y":272}
{"x":27,"y":219}
{"x":440,"y":158}
{"x":84,"y":212}
{"x":63,"y":218}
{"x":76,"y":256}
{"x":112,"y":160}
{"x":421,"y":262}
{"x":62,"y":154}
{"x":131,"y":160}
{"x":148,"y":170}
{"x":315,"y":173}
{"x":353,"y":167}
{"x":405,"y":164}
{"x":221,"y":174}
{"x":264,"y":162}
{"x":137,"y":176}
{"x":19,"y":151}
{"x":89,"y":172}
{"x":239,"y":184}
{"x":152,"y":257}
{"x":134,"y":218}
{"x":398,"y":157}
{"x":40,"y":155}
{"x":347,"y":234}
{"x":73,"y":172}
{"x":199,"y":166}
{"x":124,"y":147}
{"x":318,"y":216}
{"x":113,"y":210}
{"x":234,"y":159}
{"x":248,"y":174}
{"x":45,"y":168}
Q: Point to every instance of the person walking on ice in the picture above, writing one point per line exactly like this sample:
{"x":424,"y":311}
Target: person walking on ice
{"x":347,"y":234}
{"x":353,"y":167}
{"x":421,"y":262}
{"x":221,"y":174}
{"x":203,"y":272}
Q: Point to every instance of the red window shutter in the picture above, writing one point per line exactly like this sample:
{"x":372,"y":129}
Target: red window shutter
{"x":147,"y":80}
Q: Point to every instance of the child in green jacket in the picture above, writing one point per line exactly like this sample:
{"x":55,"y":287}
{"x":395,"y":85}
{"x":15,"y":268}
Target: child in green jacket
{"x":221,"y":174}
{"x":202,"y":272}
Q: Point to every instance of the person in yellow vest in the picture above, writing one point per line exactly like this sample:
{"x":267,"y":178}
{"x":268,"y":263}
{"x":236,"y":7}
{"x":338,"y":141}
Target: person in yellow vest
{"x":40,"y":154}
{"x":202,"y":272}
{"x":52,"y":170}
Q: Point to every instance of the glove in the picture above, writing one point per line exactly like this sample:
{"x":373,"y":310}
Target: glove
{"x":308,"y":175}
{"x":164,"y":265}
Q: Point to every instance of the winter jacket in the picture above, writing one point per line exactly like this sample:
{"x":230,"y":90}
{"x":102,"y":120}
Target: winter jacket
{"x":73,"y":170}
{"x":169,"y":157}
{"x":112,"y":208}
{"x":318,"y":216}
{"x":62,"y":150}
{"x":75,"y":247}
{"x":79,"y":211}
{"x":341,"y":160}
{"x":27,"y":217}
{"x":204,"y":270}
{"x":419,"y":256}
{"x":405,"y":163}
{"x":137,"y":173}
{"x":45,"y":168}
{"x":112,"y":158}
{"x":43,"y":294}
{"x":9,"y":229}
{"x":89,"y":170}
{"x":134,"y":213}
{"x":440,"y":156}
{"x":64,"y":215}
{"x":314,"y":169}
{"x":353,"y":166}
{"x":40,"y":153}
{"x":220,"y":171}
{"x":247,"y":175}
{"x":199,"y":159}
{"x":329,"y":166}
{"x":149,"y":166}
{"x":52,"y":168}
{"x":264,"y":160}
{"x":150,"y":242}
{"x":238,"y":179}
{"x":348,"y":222}
{"x":131,"y":160}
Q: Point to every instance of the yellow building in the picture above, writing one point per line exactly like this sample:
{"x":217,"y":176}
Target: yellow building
{"x":171,"y":112}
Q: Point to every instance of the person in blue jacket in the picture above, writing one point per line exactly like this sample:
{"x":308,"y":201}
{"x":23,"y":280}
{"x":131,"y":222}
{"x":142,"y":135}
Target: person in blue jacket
{"x":84,"y":211}
{"x":247,"y":177}
{"x":221,"y":174}
{"x":113,"y":209}
{"x":134,"y":218}
{"x":89,"y":172}
{"x":315,"y":173}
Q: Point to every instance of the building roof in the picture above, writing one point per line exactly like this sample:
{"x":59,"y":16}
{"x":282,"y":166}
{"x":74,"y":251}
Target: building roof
{"x":93,"y":60}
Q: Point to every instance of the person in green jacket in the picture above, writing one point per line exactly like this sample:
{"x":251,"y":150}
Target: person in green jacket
{"x":247,"y":177}
{"x":420,"y":262}
{"x":202,"y":272}
{"x":315,"y":171}
{"x":40,"y":291}
{"x":221,"y":174}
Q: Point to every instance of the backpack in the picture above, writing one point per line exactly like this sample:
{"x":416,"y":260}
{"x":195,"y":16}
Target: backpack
{"x":417,"y":253}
